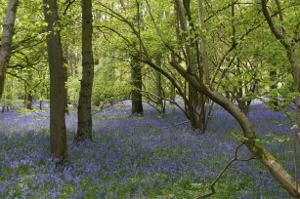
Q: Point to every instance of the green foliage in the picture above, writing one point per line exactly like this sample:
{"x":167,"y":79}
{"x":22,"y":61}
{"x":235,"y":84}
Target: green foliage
{"x":73,"y":87}
{"x":112,"y":83}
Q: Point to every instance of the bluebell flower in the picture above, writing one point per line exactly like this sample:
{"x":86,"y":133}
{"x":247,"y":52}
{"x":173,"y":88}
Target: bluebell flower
{"x":142,"y":156}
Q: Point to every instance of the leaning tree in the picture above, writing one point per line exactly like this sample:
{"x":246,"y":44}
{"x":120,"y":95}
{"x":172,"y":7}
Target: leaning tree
{"x":182,"y":64}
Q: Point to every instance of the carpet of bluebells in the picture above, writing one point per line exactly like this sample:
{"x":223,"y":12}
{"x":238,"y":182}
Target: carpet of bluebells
{"x":141,"y":157}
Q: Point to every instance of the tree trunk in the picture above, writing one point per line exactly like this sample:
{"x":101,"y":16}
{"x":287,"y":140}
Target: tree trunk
{"x":158,"y":82}
{"x":158,"y":85}
{"x":29,"y":99}
{"x":28,"y":93}
{"x":41,"y":104}
{"x":203,"y":44}
{"x":6,"y":40}
{"x":274,"y":100}
{"x":84,"y":131}
{"x":172,"y":94}
{"x":58,"y":136}
{"x":172,"y":87}
{"x":3,"y":108}
{"x":65,"y":80}
{"x":274,"y":167}
{"x":242,"y":104}
{"x":136,"y":96}
{"x":196,"y":102}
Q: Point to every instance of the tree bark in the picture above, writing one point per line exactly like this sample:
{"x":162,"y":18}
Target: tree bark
{"x":274,"y":100}
{"x":274,"y":167}
{"x":58,"y":136}
{"x":29,"y":99}
{"x":6,"y":40}
{"x":136,"y":96}
{"x":28,"y":93}
{"x":84,"y":131}
{"x":203,"y":44}
{"x":136,"y":72}
{"x":65,"y":60}
{"x":196,"y":102}
{"x":158,"y":82}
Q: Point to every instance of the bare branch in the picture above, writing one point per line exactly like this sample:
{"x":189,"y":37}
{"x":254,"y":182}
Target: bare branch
{"x":69,"y":3}
{"x":213,"y":191}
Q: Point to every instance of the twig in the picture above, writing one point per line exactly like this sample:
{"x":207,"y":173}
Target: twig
{"x":180,"y":123}
{"x":213,"y":191}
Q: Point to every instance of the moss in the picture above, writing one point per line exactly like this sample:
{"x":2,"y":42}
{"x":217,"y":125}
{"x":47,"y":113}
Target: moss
{"x":261,"y":153}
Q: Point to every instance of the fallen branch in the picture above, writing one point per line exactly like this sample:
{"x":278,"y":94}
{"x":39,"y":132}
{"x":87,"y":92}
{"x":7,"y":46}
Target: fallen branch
{"x":213,"y":191}
{"x":180,"y":123}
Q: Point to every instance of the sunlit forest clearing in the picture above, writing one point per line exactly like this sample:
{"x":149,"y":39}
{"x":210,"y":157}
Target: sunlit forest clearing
{"x":149,"y":99}
{"x":135,"y":157}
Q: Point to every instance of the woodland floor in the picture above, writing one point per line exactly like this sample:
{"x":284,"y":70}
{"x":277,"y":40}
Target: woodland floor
{"x":141,"y":157}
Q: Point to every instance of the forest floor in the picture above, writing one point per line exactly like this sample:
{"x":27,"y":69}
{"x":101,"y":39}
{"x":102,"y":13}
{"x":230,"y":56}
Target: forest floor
{"x":141,"y":157}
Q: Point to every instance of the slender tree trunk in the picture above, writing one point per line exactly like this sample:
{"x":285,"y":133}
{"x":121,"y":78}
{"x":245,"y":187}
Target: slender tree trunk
{"x":29,"y":96}
{"x":274,"y":100}
{"x":158,"y":89}
{"x":6,"y":40}
{"x":29,"y":100}
{"x":172,"y":94}
{"x":172,"y":87}
{"x":84,"y":131}
{"x":196,"y":102}
{"x":65,"y":56}
{"x":58,"y":136}
{"x":136,"y":96}
{"x":203,"y":46}
{"x":25,"y":95}
{"x":158,"y":82}
{"x":41,"y":104}
{"x":240,"y":90}
{"x":3,"y":108}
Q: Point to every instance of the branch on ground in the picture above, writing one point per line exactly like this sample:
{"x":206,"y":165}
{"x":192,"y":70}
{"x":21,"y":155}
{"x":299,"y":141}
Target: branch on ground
{"x":213,"y":191}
